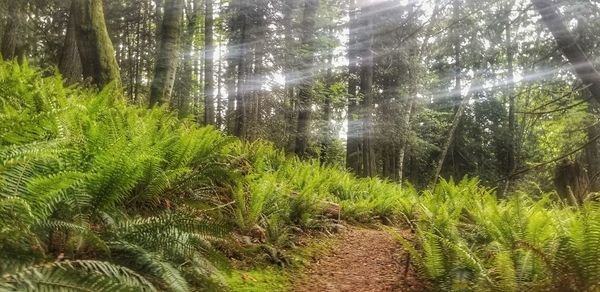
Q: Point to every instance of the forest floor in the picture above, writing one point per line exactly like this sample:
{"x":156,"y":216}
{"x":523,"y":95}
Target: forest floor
{"x":360,"y":260}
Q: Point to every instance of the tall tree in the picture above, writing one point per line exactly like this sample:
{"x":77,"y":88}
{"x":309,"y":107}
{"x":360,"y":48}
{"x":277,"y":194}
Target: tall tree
{"x":70,"y":62}
{"x":366,"y":88}
{"x":290,"y":47}
{"x":326,"y":131}
{"x":94,"y":44}
{"x":511,"y":162}
{"x":241,"y":25}
{"x":458,"y":99}
{"x":236,"y":25}
{"x":242,"y":54}
{"x":308,"y":40}
{"x":571,"y":49}
{"x":185,"y":91}
{"x":209,"y":53}
{"x":354,"y":134}
{"x":168,"y":53}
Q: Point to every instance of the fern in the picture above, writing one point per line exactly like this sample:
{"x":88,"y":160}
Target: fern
{"x":152,"y":264}
{"x":76,"y":276}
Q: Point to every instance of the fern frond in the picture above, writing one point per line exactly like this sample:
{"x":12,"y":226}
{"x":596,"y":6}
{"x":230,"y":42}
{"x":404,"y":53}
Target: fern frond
{"x":84,"y":275}
{"x":151,"y":264}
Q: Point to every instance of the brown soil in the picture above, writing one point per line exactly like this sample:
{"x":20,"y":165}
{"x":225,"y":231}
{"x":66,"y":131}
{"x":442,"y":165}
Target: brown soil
{"x":361,"y":260}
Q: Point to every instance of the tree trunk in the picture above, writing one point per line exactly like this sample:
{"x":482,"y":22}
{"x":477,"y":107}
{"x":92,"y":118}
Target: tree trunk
{"x":233,"y":56}
{"x":95,"y":47}
{"x":70,"y":61}
{"x":241,"y":111}
{"x":366,"y":91}
{"x":456,"y":94}
{"x":510,"y":93}
{"x":568,"y":45}
{"x":289,"y":98}
{"x":592,"y":152}
{"x":209,"y":52}
{"x":12,"y":41}
{"x":583,"y":68}
{"x":255,"y":56}
{"x":168,"y":53}
{"x":239,"y":65}
{"x":417,"y":52}
{"x":304,"y":94}
{"x":231,"y":85}
{"x":449,"y":141}
{"x":184,"y":91}
{"x":327,"y":131}
{"x":403,"y":147}
{"x":219,"y":113}
{"x":354,"y":134}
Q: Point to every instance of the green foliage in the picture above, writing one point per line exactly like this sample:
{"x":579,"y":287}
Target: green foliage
{"x":83,"y":175}
{"x":97,"y":194}
{"x":467,"y":239}
{"x":102,"y":195}
{"x":82,"y":275}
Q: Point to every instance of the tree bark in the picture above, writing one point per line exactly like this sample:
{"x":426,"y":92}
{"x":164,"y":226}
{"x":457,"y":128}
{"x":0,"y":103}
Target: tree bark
{"x":209,"y":52}
{"x":12,"y":41}
{"x":95,"y":47}
{"x":304,"y":93}
{"x":70,"y":61}
{"x":168,"y":53}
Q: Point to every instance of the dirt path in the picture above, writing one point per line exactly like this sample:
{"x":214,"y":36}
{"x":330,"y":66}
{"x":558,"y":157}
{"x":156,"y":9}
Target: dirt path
{"x":362,"y":260}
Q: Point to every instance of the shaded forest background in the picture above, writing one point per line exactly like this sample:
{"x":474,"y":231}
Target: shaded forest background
{"x":404,"y":90}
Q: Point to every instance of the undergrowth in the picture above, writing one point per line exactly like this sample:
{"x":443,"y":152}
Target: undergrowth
{"x":97,"y":194}
{"x":468,"y":240}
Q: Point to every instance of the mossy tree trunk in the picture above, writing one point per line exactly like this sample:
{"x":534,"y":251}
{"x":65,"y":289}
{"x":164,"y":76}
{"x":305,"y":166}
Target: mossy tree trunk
{"x":95,"y":47}
{"x":168,"y":54}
